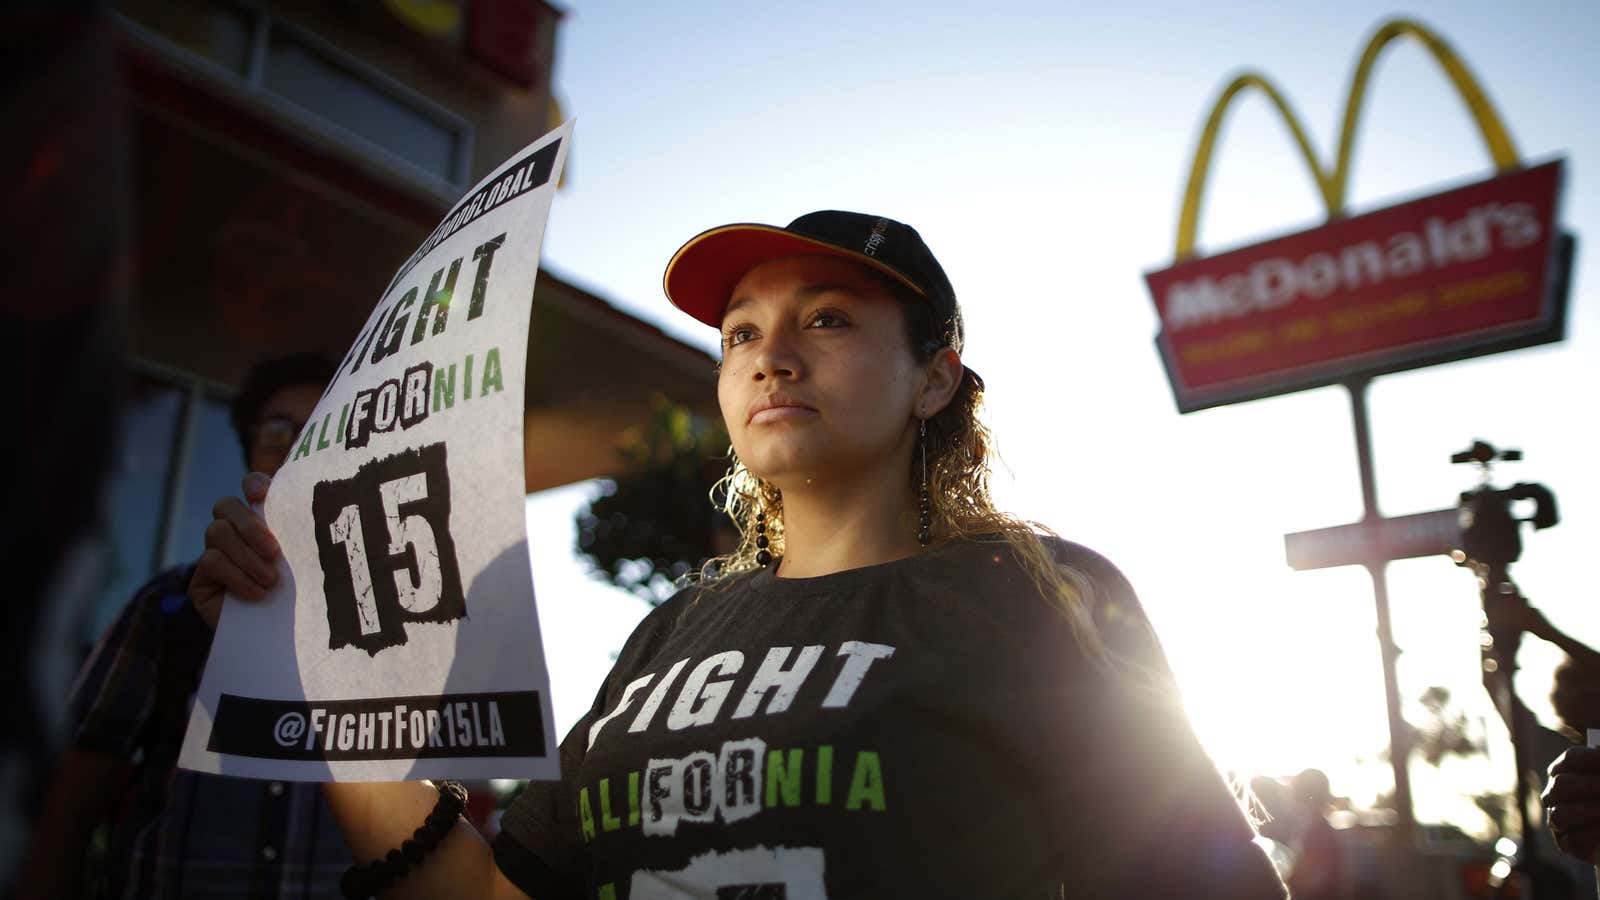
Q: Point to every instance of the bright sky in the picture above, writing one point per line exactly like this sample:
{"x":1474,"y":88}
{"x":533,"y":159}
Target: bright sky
{"x":1041,"y":149}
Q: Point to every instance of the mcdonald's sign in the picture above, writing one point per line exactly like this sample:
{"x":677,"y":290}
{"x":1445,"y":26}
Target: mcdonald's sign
{"x":1473,"y":270}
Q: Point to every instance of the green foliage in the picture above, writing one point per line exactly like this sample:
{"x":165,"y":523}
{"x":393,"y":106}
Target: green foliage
{"x":655,"y":523}
{"x":1446,"y":731}
{"x":1497,"y":807}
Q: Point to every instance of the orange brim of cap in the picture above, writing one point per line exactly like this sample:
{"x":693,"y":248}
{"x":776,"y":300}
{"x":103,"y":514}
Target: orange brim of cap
{"x":701,"y":276}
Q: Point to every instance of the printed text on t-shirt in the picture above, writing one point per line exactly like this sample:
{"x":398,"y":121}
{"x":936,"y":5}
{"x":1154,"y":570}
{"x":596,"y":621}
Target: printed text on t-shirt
{"x":702,"y":696}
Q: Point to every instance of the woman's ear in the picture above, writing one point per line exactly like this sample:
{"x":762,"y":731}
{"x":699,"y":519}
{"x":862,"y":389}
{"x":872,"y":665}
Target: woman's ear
{"x":940,"y":383}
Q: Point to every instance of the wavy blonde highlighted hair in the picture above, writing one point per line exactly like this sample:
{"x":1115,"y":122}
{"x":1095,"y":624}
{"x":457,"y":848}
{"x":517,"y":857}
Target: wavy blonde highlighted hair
{"x":960,"y":449}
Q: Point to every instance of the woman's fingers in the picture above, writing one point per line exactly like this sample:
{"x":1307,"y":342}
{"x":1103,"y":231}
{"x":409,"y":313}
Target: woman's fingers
{"x":1573,"y":818}
{"x":222,"y":535}
{"x":249,"y":526}
{"x":1576,"y":760}
{"x":239,"y":554}
{"x":256,"y":485}
{"x":1573,"y":787}
{"x":213,"y":575}
{"x":217,"y":573}
{"x":1572,"y":802}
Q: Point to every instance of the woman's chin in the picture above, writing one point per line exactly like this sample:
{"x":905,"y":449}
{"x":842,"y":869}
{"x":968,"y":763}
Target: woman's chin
{"x":786,"y":467}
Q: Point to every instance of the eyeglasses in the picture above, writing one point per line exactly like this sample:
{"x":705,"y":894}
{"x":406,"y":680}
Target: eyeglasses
{"x":274,"y":433}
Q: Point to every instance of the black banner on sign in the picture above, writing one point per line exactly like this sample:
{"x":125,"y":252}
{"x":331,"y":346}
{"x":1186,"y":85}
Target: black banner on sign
{"x":530,"y":172}
{"x":507,"y":723}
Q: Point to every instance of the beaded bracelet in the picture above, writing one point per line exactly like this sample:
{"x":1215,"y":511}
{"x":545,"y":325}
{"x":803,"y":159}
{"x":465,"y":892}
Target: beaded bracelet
{"x":363,"y":881}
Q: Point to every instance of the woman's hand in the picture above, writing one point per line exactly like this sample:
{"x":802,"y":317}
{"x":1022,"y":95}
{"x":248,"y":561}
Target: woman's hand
{"x":240,"y":553}
{"x":1572,"y":802}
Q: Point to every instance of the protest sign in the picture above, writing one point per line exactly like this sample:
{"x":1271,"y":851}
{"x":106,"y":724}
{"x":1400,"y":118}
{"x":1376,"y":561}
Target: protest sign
{"x":402,"y":640}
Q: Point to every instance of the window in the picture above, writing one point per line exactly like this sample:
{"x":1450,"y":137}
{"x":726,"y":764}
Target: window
{"x":213,"y":467}
{"x":229,"y":39}
{"x":135,"y":493}
{"x":321,"y":88}
{"x":177,"y":454}
{"x":336,"y":93}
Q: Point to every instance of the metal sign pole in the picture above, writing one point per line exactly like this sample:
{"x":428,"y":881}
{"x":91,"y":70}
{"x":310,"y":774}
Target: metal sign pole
{"x":1399,"y":746}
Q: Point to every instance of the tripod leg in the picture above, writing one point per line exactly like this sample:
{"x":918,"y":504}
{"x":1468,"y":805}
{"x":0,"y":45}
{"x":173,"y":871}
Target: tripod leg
{"x":1594,"y":741}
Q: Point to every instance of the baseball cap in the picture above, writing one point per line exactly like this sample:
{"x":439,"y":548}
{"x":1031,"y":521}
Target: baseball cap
{"x":701,"y":276}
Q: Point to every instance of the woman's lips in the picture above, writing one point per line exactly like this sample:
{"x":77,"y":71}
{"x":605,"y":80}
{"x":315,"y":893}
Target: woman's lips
{"x":776,"y":407}
{"x":781,"y":414}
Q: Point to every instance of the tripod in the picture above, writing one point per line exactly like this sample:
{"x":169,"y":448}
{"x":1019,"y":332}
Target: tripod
{"x":1491,"y":540}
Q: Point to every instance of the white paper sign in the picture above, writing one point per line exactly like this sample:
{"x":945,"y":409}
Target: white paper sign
{"x":402,"y":641}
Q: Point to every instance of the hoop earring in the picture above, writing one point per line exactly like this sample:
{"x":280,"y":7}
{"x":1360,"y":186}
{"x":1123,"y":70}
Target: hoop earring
{"x":924,"y":517}
{"x":762,"y":555}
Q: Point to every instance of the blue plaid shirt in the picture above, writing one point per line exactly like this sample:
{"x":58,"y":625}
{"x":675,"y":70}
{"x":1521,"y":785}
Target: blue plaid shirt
{"x":180,"y":833}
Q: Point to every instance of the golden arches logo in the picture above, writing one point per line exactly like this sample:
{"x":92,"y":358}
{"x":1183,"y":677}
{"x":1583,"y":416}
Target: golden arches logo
{"x":430,"y":18}
{"x":1333,"y":185}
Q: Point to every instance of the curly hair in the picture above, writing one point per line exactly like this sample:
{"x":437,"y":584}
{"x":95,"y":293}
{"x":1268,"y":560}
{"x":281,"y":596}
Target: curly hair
{"x":959,"y":451}
{"x":268,"y":377}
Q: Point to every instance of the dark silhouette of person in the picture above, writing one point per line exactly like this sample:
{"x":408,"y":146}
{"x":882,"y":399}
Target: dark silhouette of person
{"x":1575,"y":695}
{"x":1319,"y":866}
{"x":177,"y":833}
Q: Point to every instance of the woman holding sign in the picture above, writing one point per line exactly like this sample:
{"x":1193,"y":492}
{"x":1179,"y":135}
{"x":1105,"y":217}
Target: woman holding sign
{"x":891,"y":689}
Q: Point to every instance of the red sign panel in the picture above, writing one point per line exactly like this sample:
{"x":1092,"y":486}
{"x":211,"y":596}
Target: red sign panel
{"x":511,"y":38}
{"x":1470,"y":271}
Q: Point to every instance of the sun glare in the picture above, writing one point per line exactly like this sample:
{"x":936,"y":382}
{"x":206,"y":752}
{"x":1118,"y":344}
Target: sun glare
{"x":1282,"y":674}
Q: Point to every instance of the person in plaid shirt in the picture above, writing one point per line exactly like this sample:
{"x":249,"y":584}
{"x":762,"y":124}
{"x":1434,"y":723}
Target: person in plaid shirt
{"x":177,"y":833}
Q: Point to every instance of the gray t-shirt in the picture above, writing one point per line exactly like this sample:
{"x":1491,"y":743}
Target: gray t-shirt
{"x":926,"y":727}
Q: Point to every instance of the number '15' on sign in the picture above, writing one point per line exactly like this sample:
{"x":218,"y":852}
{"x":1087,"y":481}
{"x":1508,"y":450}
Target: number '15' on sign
{"x":383,"y":539}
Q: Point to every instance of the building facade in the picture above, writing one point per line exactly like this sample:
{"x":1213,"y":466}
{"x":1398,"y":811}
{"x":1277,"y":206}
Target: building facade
{"x":286,"y":158}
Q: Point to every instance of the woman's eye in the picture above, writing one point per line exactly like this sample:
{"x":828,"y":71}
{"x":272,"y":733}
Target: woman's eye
{"x":826,"y":320}
{"x":736,"y":336}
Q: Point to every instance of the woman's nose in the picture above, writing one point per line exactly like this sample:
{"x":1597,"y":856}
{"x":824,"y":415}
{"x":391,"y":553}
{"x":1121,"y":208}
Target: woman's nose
{"x":778,"y":357}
